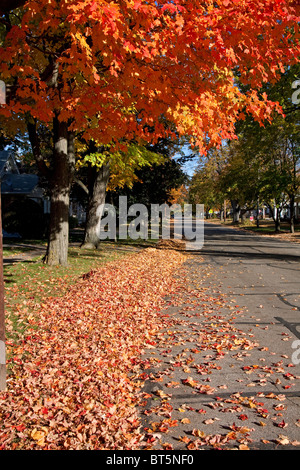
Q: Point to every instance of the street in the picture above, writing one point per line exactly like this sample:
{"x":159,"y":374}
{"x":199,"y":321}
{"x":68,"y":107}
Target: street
{"x":263,"y":273}
{"x":227,"y":370}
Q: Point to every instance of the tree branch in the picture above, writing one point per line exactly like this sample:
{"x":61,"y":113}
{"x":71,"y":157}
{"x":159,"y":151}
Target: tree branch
{"x":82,"y":185}
{"x":35,"y":145}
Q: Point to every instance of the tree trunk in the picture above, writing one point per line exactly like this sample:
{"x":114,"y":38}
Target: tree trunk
{"x":97,"y":192}
{"x":2,"y":314}
{"x":277,"y":221}
{"x":292,"y":214}
{"x":275,"y":216}
{"x":60,"y":185}
{"x":243,"y":215}
{"x":236,"y":211}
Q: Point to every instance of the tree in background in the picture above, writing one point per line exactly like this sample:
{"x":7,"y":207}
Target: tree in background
{"x":238,"y":181}
{"x":267,"y":157}
{"x":179,"y":195}
{"x":262,"y":165}
{"x":205,"y":185}
{"x":108,"y":170}
{"x":152,"y":184}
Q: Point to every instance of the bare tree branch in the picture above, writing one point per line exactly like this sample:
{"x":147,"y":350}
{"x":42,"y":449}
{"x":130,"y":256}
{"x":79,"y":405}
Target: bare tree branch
{"x":82,"y":185}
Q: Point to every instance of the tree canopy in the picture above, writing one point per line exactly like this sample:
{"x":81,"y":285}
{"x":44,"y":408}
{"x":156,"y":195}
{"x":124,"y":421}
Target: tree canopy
{"x":112,"y":69}
{"x":262,"y":165}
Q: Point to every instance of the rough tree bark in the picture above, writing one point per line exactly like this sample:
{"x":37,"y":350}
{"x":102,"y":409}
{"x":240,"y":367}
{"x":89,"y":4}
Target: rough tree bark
{"x":292,"y":213}
{"x":60,"y":185}
{"x":98,"y":179}
{"x":275,"y":213}
{"x":277,"y":221}
{"x":236,"y":211}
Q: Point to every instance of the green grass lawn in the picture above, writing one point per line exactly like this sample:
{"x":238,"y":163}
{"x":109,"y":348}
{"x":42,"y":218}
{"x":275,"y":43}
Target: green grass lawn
{"x":265,"y":226}
{"x":268,"y":227}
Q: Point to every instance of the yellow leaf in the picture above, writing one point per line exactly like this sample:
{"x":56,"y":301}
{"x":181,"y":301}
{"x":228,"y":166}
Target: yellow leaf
{"x":198,"y":433}
{"x":283,"y":440}
{"x":39,"y":435}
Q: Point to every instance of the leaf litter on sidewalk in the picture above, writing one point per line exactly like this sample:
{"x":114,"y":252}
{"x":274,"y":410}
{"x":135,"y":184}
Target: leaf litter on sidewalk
{"x":74,"y":377}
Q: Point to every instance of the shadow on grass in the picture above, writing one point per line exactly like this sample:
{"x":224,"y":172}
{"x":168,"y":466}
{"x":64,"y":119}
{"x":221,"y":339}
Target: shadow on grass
{"x":139,"y":243}
{"x":75,"y":253}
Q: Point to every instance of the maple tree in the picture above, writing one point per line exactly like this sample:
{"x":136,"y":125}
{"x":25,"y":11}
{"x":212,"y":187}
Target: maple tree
{"x":178,"y":195}
{"x":9,"y":5}
{"x":110,"y":70}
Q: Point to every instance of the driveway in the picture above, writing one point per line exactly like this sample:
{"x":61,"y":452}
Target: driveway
{"x":225,"y":372}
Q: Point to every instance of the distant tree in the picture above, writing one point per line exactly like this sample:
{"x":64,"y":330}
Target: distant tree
{"x":268,"y":156}
{"x":205,"y":187}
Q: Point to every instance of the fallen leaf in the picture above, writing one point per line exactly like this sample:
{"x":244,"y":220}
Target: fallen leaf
{"x":185,"y":421}
{"x":209,"y":421}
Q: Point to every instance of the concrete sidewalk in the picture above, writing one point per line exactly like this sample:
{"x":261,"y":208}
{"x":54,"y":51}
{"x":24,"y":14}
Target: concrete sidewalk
{"x":222,"y":373}
{"x":30,"y":252}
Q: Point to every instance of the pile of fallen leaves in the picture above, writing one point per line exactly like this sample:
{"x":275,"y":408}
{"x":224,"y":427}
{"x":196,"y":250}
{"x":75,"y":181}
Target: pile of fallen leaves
{"x":171,"y":244}
{"x":74,"y":377}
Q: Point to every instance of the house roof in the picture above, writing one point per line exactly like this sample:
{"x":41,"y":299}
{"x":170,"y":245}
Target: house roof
{"x":4,"y":155}
{"x":18,"y":184}
{"x":8,"y":163}
{"x":12,"y":182}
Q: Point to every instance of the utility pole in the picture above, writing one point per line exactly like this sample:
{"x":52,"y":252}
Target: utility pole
{"x":2,"y":314}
